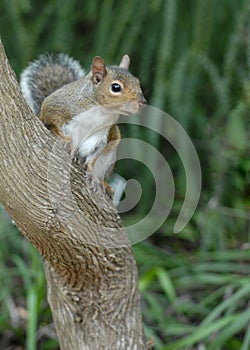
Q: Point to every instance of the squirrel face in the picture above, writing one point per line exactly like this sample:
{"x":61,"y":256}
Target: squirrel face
{"x":115,"y":88}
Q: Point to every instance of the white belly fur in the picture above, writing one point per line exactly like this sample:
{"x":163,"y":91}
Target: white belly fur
{"x":89,"y":131}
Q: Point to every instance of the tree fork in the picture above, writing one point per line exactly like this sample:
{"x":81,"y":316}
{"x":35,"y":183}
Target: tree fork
{"x":90,"y":269}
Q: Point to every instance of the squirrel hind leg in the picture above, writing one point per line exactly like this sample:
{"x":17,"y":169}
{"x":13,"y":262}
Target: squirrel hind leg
{"x":102,"y":164}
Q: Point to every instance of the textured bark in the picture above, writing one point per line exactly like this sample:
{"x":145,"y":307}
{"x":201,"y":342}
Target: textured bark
{"x":64,"y":212}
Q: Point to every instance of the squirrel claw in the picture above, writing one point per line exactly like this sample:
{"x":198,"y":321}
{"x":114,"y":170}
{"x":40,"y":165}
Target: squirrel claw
{"x":108,"y":189}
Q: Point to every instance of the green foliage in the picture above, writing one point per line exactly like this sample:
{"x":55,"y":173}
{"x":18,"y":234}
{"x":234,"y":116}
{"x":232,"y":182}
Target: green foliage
{"x":24,"y":312}
{"x":195,"y":298}
{"x":193,"y":58}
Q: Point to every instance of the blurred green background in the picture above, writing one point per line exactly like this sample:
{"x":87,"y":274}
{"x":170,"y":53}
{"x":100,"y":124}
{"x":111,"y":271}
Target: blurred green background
{"x":193,"y":59}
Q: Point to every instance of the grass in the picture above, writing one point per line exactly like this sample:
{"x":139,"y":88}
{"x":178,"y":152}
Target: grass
{"x":189,"y":298}
{"x":23,"y":307}
{"x":195,"y":298}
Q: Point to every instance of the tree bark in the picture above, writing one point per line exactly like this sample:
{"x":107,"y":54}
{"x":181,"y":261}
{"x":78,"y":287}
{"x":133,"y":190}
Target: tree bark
{"x":64,"y":212}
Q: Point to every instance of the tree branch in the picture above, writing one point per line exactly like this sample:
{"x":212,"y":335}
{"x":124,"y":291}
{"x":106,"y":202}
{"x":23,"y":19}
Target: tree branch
{"x":65,"y":213}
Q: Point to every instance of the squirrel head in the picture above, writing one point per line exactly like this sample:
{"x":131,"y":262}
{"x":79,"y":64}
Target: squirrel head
{"x":115,"y":88}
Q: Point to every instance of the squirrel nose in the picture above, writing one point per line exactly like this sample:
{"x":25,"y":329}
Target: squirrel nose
{"x":142,"y":101}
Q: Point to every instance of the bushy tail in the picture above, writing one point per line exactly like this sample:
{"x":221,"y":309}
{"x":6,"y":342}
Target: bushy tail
{"x":47,"y":74}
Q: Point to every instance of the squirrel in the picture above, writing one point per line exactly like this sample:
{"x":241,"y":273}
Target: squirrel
{"x":83,"y":109}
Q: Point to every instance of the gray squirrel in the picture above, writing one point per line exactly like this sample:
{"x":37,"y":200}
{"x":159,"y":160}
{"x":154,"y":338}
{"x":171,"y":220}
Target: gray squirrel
{"x":83,"y":109}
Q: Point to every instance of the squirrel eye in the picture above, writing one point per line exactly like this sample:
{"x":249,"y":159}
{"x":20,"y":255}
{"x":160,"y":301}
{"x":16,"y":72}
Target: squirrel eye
{"x":115,"y":87}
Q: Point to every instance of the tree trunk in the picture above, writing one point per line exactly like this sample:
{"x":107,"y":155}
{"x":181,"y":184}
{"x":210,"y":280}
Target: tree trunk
{"x":65,"y":213}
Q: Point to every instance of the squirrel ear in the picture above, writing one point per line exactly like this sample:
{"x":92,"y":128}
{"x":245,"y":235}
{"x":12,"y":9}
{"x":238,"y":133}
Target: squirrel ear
{"x":125,"y":62}
{"x":98,"y":69}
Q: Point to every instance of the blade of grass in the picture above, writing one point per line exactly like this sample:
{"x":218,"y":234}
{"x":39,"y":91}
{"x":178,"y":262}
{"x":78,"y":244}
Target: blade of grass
{"x":234,"y":299}
{"x":246,"y":340}
{"x":32,"y":319}
{"x":166,"y":284}
{"x":238,"y":323}
{"x":200,"y":333}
